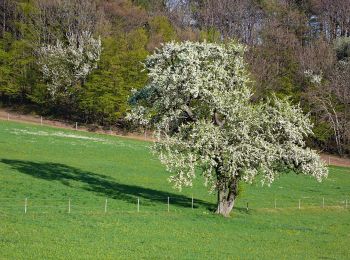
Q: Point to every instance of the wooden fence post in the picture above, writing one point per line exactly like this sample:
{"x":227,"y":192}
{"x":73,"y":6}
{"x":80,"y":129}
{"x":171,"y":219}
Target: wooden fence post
{"x":168,"y":204}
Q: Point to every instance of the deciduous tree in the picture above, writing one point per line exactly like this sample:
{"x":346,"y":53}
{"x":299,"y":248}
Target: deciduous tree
{"x":198,"y":100}
{"x":63,"y":66}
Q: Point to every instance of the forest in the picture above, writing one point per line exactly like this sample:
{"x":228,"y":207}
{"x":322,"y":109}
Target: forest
{"x":80,"y":59}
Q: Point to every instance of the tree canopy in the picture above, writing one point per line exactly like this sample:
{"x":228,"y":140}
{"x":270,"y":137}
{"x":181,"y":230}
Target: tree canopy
{"x":198,"y":100}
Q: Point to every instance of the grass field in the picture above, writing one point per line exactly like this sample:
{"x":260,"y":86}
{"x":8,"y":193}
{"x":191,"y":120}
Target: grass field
{"x":51,"y":166}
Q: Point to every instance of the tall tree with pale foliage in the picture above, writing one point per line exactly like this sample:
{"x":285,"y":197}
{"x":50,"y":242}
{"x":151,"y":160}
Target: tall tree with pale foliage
{"x":63,"y":66}
{"x":198,"y":100}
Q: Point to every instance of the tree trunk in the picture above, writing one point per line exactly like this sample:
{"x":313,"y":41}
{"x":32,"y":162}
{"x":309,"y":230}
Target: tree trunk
{"x":226,"y":198}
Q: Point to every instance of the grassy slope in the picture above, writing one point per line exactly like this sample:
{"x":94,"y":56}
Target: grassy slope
{"x":48,"y":169}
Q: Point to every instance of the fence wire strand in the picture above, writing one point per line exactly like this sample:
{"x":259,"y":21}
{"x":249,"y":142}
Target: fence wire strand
{"x":37,"y":205}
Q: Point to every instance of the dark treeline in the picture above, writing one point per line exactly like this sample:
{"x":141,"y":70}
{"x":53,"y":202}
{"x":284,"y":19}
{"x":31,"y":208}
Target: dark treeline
{"x":80,"y":59}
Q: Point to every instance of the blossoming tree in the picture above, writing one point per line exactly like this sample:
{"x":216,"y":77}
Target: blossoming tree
{"x":198,"y":100}
{"x":64,"y":65}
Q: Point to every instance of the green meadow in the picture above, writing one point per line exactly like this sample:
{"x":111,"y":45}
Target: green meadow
{"x":82,"y":192}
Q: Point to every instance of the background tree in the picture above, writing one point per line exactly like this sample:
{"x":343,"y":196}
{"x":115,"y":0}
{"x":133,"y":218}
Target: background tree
{"x":329,"y":95}
{"x":66,"y":67}
{"x":198,"y":100}
{"x":104,"y":97}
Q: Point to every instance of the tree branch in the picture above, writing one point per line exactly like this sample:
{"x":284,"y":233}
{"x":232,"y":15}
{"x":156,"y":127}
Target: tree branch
{"x":189,"y":112}
{"x":217,"y":120}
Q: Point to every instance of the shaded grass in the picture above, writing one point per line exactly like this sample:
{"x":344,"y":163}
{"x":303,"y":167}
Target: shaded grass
{"x":49,"y":169}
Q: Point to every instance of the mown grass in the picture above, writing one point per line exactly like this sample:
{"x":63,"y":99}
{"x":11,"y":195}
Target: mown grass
{"x":49,"y":166}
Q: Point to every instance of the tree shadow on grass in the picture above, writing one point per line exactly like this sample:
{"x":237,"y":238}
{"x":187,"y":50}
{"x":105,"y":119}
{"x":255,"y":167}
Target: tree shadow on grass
{"x":100,"y":184}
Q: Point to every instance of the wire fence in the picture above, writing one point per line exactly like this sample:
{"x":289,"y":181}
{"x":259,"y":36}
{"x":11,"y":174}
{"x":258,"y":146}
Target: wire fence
{"x":167,"y":204}
{"x":303,"y":203}
{"x":71,"y":125}
{"x":69,"y":205}
{"x":40,"y":120}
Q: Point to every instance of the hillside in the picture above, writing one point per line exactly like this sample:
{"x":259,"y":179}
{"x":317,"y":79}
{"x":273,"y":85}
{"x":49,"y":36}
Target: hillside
{"x":53,"y":168}
{"x":11,"y":115}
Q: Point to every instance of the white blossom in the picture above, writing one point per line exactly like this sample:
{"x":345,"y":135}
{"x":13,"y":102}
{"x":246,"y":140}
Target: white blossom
{"x":63,"y":65}
{"x":314,"y":78}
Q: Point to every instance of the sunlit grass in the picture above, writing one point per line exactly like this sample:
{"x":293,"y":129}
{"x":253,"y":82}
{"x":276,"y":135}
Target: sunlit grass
{"x":51,"y":166}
